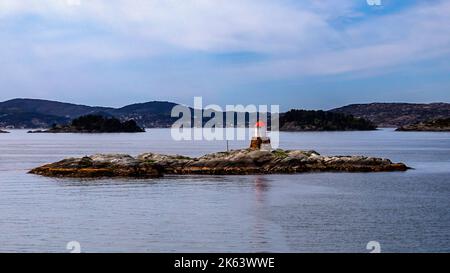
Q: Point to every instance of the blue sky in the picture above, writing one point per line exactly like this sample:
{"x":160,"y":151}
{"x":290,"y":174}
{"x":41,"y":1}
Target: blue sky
{"x":296,"y":53}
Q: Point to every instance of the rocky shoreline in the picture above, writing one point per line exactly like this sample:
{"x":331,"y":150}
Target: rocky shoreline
{"x":236,"y":162}
{"x":438,"y":125}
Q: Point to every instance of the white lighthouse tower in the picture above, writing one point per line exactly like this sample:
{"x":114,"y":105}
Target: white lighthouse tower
{"x":260,"y":140}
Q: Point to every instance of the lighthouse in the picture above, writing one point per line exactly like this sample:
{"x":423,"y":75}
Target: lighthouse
{"x":260,"y":140}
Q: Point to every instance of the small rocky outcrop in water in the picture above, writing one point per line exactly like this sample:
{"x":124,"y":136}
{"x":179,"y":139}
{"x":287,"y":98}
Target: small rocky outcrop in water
{"x":237,"y":162}
{"x":95,"y":124}
{"x":3,"y":132}
{"x":438,"y":125}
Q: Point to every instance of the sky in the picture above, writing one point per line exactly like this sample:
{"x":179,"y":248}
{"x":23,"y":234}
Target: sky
{"x":312,"y":54}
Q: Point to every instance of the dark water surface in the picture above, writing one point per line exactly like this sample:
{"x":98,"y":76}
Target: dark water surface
{"x":319,"y":212}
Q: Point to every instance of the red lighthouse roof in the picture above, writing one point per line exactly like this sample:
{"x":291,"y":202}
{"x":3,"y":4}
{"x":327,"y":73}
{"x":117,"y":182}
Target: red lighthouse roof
{"x":260,"y":124}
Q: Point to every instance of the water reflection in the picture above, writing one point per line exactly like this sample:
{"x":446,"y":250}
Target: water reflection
{"x":261,"y":184}
{"x":260,"y":234}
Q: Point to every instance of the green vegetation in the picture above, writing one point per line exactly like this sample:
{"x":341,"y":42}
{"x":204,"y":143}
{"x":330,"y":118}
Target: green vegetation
{"x":280,"y":153}
{"x":303,"y":120}
{"x":95,"y":124}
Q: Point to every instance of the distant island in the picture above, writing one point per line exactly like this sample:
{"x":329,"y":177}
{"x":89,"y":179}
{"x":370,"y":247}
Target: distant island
{"x":95,"y":124}
{"x":396,"y":114}
{"x":438,"y":125}
{"x":303,"y":120}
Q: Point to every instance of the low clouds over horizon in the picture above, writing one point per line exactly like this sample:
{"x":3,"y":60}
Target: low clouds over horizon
{"x":307,"y":53}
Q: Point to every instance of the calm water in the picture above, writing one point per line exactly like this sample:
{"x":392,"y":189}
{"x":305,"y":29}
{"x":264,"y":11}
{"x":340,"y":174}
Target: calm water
{"x":327,"y":212}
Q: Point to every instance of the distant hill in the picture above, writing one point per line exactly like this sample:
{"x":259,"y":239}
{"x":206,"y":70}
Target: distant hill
{"x":155,"y":114}
{"x":52,"y":108}
{"x":18,"y":120}
{"x":396,"y":114}
{"x":302,"y":120}
{"x":35,"y":113}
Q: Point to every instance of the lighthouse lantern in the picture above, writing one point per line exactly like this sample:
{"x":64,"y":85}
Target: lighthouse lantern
{"x":260,"y":141}
{"x":260,"y":129}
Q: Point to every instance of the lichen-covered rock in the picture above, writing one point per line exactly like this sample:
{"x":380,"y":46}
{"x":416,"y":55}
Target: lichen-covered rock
{"x":100,"y":166}
{"x":169,"y":163}
{"x":235,"y":162}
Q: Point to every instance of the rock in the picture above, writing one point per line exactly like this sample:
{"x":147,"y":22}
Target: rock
{"x":235,"y":162}
{"x":437,"y":125}
{"x":169,"y":163}
{"x":100,"y":166}
{"x":3,"y":132}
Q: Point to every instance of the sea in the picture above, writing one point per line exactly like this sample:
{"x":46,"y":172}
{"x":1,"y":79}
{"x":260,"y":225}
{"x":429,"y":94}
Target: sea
{"x":311,"y":212}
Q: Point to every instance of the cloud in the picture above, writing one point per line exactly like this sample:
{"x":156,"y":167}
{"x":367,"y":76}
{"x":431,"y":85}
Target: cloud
{"x":220,"y":25}
{"x":293,"y":30}
{"x":147,"y":43}
{"x":417,"y":34}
